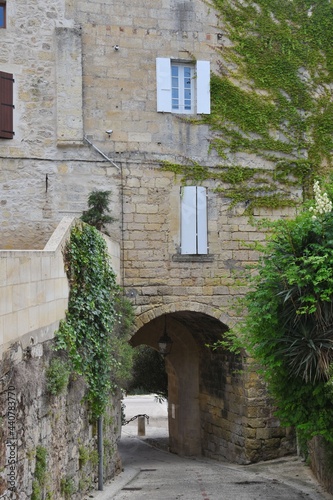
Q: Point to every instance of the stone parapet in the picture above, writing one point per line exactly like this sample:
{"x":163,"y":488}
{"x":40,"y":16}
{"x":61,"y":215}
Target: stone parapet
{"x":34,"y":289}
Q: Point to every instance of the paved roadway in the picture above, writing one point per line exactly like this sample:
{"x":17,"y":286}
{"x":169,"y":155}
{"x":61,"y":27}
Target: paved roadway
{"x":152,"y":473}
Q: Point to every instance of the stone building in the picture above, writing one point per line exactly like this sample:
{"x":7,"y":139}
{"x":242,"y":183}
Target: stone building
{"x":99,"y":95}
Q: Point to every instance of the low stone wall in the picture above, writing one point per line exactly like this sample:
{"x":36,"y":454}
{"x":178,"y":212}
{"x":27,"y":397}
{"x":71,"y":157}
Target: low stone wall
{"x":33,"y":421}
{"x":34,"y":289}
{"x":321,"y":459}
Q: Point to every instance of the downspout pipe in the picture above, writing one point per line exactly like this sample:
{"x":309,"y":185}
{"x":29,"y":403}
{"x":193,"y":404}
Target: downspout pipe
{"x":101,"y":153}
{"x":120,"y":169}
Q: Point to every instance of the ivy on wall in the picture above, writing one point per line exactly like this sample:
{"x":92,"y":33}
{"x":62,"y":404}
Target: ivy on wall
{"x":271,"y":98}
{"x":97,"y":348}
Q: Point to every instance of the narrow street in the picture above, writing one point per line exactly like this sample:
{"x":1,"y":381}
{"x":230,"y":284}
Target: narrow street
{"x":150,"y":472}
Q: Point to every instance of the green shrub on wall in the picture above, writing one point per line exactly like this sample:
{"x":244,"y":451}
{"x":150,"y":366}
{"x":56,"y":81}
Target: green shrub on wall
{"x":40,"y":475}
{"x":288,"y":327}
{"x":96,"y":350}
{"x":57,"y":376}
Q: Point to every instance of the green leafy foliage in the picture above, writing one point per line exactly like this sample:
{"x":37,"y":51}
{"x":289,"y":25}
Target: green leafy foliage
{"x":148,"y":374}
{"x":41,"y":464}
{"x":281,"y":61}
{"x":67,"y":487}
{"x":97,"y":214}
{"x":57,"y":376}
{"x":96,"y":350}
{"x":40,"y":474}
{"x":288,"y":328}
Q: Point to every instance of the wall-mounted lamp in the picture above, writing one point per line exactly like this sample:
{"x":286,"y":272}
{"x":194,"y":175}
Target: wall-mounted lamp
{"x":165,"y":343}
{"x":109,"y":132}
{"x":116,"y":47}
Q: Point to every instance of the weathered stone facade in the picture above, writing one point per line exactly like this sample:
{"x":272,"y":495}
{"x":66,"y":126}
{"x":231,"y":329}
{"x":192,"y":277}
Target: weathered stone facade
{"x":35,"y":419}
{"x":239,"y":422}
{"x":71,"y":86}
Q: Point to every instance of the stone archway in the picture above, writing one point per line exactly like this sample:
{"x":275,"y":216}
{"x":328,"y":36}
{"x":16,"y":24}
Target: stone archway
{"x":189,"y":332}
{"x":218,"y":406}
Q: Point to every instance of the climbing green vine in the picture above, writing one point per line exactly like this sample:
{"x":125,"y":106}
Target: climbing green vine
{"x":97,"y":349}
{"x":271,"y":98}
{"x":288,"y":328}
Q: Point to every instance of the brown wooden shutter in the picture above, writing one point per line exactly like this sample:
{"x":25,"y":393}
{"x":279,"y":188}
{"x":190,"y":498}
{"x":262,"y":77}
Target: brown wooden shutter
{"x":6,"y":105}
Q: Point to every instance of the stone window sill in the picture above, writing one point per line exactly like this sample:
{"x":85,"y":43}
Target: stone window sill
{"x":192,"y":258}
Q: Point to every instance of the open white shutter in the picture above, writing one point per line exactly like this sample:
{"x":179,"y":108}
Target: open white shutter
{"x":188,"y":231}
{"x":202,"y":242}
{"x":203,"y":87}
{"x":163,"y":81}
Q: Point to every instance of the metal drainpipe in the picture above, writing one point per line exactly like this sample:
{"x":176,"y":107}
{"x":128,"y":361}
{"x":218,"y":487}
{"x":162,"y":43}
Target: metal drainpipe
{"x":101,"y":153}
{"x":121,"y":202}
{"x":100,"y":452}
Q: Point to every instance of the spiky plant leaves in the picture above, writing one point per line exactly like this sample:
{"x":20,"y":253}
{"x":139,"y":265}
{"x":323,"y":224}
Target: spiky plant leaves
{"x":97,"y":214}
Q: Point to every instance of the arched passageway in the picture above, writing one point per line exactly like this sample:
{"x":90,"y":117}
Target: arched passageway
{"x":190,"y":332}
{"x":217,"y":405}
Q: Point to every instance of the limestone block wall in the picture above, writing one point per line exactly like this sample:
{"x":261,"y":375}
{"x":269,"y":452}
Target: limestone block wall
{"x":238,"y":421}
{"x":320,"y":454}
{"x":120,"y":85}
{"x":46,"y":170}
{"x":29,"y":52}
{"x":34,"y":289}
{"x":70,"y":83}
{"x":35,"y":196}
{"x":154,"y":271}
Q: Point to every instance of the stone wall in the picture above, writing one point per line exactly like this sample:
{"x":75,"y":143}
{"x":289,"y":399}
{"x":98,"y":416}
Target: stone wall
{"x":33,"y":299}
{"x":36,"y":195}
{"x":238,"y":422}
{"x":156,"y":274}
{"x":32,"y":419}
{"x":321,"y":461}
{"x":34,"y":289}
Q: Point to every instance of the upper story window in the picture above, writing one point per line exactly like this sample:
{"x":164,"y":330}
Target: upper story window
{"x":6,"y":105}
{"x":183,"y":87}
{"x":2,"y":14}
{"x":194,"y":226}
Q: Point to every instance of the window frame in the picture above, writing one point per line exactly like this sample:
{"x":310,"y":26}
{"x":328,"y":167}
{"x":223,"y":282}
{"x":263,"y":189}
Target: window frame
{"x":201,"y":85}
{"x":3,"y":9}
{"x":182,"y":86}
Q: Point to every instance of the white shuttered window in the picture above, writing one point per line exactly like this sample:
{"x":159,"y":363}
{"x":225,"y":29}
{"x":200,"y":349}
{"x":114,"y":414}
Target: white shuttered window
{"x":193,"y":232}
{"x":183,"y":87}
